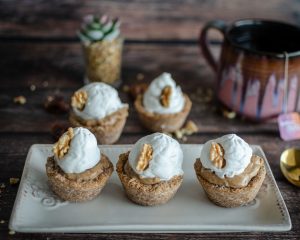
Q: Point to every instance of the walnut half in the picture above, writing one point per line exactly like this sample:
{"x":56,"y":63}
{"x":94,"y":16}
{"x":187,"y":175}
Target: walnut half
{"x":79,"y":99}
{"x":144,"y":157}
{"x":62,"y":146}
{"x":216,"y":155}
{"x":165,"y":96}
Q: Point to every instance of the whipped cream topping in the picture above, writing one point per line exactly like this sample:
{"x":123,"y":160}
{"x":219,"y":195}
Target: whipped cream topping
{"x":83,"y":153}
{"x":237,"y":154}
{"x":166,"y":160}
{"x":151,"y":99}
{"x":102,"y":100}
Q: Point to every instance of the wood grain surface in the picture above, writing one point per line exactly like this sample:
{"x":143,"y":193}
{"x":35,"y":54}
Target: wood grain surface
{"x":38,"y":47}
{"x":142,"y":19}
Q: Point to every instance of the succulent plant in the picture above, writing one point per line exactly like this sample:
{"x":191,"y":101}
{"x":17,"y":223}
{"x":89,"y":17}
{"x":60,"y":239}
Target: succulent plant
{"x":96,"y":29}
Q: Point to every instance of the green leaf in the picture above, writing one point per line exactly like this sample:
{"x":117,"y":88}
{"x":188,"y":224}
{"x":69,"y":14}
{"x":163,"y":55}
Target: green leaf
{"x":83,"y":37}
{"x":95,"y":26}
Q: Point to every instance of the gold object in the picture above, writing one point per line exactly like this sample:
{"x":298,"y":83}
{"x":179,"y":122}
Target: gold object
{"x":290,"y":165}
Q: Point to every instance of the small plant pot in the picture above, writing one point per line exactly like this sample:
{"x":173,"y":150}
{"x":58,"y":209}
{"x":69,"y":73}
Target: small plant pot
{"x":103,"y":61}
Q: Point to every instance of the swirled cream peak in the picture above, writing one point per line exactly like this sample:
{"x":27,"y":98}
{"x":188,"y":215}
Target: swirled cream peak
{"x":96,"y":101}
{"x":163,"y":96}
{"x":76,"y":150}
{"x":226,"y":156}
{"x":156,"y":156}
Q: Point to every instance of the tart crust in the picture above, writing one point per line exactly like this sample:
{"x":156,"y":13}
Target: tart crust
{"x":162,"y":122}
{"x":81,"y":189}
{"x":107,"y":130}
{"x":227,"y":196}
{"x":146,"y":194}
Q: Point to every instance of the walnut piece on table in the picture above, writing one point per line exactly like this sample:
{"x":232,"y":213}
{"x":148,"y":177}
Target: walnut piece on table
{"x":13,"y":181}
{"x":188,"y":129}
{"x":216,"y":155}
{"x":62,"y":146}
{"x":227,"y":113}
{"x":144,"y":157}
{"x":20,"y":100}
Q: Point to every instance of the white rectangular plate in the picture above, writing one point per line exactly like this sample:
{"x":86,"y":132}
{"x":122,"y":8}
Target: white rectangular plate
{"x":37,"y":209}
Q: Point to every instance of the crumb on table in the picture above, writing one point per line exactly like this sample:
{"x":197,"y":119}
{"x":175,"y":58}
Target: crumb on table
{"x":13,"y":181}
{"x":20,"y":100}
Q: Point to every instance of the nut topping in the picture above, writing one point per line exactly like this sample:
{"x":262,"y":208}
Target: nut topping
{"x":165,"y":96}
{"x":216,"y":155}
{"x":79,"y":99}
{"x":62,"y":146}
{"x":144,"y":157}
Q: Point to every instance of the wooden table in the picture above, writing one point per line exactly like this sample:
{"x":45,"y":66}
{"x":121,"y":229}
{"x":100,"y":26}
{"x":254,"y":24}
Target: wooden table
{"x":39,"y":49}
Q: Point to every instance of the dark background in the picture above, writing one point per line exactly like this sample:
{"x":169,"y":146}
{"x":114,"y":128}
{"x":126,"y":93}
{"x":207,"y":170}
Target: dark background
{"x":38,"y":46}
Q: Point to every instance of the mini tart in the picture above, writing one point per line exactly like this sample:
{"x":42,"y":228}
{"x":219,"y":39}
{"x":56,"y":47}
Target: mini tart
{"x":146,"y":194}
{"x":79,"y":187}
{"x":162,"y":122}
{"x":228,"y":196}
{"x":107,"y":130}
